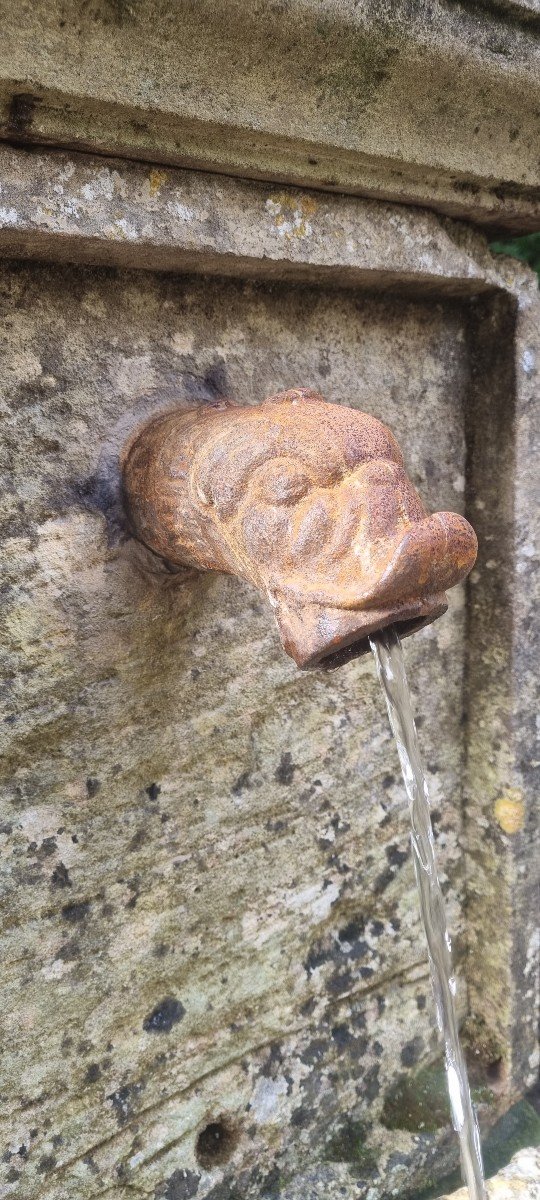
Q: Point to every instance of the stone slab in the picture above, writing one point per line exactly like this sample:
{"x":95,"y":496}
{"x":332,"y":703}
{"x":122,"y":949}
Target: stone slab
{"x":433,"y":105}
{"x":83,"y":209}
{"x":190,"y":821}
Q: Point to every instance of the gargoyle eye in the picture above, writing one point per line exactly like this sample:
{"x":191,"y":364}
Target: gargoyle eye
{"x":282,"y":483}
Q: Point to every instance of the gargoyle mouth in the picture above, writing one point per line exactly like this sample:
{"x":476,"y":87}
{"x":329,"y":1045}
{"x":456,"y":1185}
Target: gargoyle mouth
{"x":319,"y":629}
{"x":328,"y":637}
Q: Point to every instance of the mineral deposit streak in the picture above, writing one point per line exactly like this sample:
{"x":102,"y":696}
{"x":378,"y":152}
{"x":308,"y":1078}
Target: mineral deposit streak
{"x":386,"y":647}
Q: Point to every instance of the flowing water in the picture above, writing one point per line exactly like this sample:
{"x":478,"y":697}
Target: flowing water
{"x":386,"y":647}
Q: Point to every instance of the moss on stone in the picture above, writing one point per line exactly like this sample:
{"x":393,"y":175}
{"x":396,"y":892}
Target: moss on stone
{"x":419,"y":1103}
{"x":518,"y":1128}
{"x":348,"y":1144}
{"x":484,"y":1050}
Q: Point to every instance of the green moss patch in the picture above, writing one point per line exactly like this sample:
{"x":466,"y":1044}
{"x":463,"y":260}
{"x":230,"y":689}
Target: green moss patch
{"x":518,"y":1128}
{"x":420,"y":1104}
{"x":349,"y":1145}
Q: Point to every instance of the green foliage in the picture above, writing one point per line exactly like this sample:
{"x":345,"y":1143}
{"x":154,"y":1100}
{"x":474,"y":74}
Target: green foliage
{"x":526,"y":248}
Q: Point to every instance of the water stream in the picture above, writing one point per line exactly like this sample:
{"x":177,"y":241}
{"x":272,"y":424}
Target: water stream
{"x":386,"y":648}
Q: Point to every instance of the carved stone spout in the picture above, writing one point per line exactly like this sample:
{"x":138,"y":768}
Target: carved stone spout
{"x":308,"y":501}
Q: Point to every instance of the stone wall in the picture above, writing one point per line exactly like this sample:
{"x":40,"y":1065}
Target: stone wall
{"x":215,"y":978}
{"x":215,"y":982}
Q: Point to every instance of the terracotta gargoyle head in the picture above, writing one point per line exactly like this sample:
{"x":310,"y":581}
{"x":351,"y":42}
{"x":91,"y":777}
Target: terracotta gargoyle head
{"x":310,"y":502}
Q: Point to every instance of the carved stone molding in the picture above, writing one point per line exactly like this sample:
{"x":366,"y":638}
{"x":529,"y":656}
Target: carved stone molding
{"x":435,"y":105}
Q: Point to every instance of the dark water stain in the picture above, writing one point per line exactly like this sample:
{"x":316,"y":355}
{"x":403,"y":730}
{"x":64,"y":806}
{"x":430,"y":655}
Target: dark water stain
{"x":215,"y":379}
{"x":46,"y":1164}
{"x":123,"y":1100}
{"x":284,"y":773}
{"x":21,"y":112}
{"x":181,"y":1185}
{"x":77,"y":911}
{"x":166,"y":1014}
{"x":60,"y":876}
{"x":241,"y":783}
{"x":412,"y":1052}
{"x":93,"y":1073}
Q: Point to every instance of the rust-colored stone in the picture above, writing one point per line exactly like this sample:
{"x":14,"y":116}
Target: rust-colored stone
{"x":307,"y":500}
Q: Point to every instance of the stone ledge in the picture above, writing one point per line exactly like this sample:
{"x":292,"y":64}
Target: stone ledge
{"x":384,"y":100}
{"x":77,"y":208}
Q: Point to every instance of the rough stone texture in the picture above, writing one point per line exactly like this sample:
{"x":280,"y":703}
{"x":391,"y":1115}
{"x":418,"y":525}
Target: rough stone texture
{"x":84,"y":209}
{"x":210,"y":917}
{"x":520,"y":1180}
{"x":503,"y":753}
{"x":187,"y":816}
{"x":435,"y":104}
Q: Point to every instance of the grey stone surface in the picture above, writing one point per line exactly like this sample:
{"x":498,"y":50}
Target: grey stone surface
{"x":189,"y":817}
{"x":76,"y":208}
{"x":434,"y":104}
{"x":210,"y":915}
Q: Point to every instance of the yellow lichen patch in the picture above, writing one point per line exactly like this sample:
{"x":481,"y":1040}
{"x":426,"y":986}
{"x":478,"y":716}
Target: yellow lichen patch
{"x":290,"y":212}
{"x":309,"y":206}
{"x":510,"y":811}
{"x":156,"y":179}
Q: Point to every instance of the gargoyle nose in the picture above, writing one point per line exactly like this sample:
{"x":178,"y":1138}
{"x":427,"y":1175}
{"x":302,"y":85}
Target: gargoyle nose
{"x":327,"y":598}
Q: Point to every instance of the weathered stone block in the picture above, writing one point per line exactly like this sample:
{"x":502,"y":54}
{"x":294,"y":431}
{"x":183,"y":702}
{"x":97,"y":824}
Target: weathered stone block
{"x":214,"y":974}
{"x":434,"y":104}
